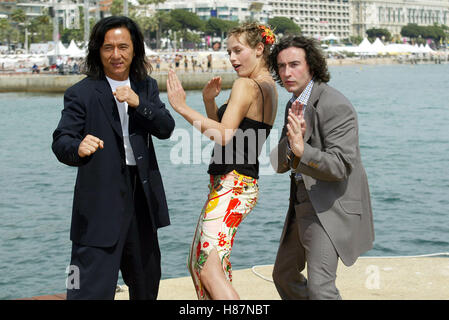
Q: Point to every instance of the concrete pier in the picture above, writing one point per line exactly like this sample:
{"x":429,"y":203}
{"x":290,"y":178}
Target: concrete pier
{"x":59,"y":83}
{"x":370,"y":278}
{"x":53,"y":83}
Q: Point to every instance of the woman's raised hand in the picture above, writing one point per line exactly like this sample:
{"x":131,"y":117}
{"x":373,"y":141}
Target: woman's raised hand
{"x":212,"y":89}
{"x":175,"y":92}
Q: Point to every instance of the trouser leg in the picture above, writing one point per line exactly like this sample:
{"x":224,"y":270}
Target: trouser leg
{"x":140,"y":264}
{"x":322,"y":259}
{"x":304,"y":239}
{"x":290,"y":261}
{"x":141,"y":259}
{"x":136,"y":254}
{"x":98,"y":273}
{"x":98,"y":268}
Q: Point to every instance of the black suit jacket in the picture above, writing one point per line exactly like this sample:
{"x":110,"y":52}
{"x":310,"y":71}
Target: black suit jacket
{"x":101,"y":199}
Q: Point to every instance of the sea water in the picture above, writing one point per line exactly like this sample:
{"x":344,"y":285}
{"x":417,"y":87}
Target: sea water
{"x":403,"y":113}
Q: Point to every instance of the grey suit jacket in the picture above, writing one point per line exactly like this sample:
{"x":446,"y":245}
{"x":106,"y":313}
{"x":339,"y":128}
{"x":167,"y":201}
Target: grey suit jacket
{"x":332,"y":170}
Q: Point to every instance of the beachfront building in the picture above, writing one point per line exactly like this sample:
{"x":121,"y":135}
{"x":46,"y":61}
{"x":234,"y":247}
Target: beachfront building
{"x":67,"y":11}
{"x":394,"y":14}
{"x":234,"y":10}
{"x":6,"y":8}
{"x":316,"y":18}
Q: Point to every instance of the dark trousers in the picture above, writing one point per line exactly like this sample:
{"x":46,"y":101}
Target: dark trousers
{"x":136,"y":255}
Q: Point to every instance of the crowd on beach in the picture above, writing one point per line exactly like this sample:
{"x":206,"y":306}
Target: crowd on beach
{"x":192,"y":61}
{"x":35,"y":65}
{"x":161,"y":62}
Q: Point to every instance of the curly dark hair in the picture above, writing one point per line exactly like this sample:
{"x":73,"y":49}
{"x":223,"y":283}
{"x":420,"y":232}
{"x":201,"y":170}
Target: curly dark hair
{"x":314,"y":57}
{"x":253,"y":36}
{"x":140,"y":66}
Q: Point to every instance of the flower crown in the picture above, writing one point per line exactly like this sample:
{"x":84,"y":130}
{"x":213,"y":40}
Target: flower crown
{"x":267,"y":34}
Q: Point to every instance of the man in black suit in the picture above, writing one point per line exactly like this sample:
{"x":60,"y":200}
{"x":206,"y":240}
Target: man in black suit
{"x":119,"y":201}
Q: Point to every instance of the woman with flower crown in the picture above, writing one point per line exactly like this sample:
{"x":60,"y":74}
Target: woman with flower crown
{"x":239,"y":128}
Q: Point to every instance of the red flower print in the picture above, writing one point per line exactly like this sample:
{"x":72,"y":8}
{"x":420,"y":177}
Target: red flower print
{"x":233,"y":219}
{"x":205,"y":244}
{"x":234,"y":203}
{"x":237,"y":191}
{"x":221,"y":240}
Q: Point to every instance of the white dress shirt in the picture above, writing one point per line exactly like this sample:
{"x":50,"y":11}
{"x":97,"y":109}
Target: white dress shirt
{"x":124,"y":120}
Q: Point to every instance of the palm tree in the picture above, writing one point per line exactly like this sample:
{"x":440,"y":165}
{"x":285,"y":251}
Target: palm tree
{"x":5,"y":31}
{"x":156,"y":22}
{"x":18,"y":23}
{"x":42,"y":27}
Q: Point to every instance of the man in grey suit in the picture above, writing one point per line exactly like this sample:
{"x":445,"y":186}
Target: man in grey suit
{"x":329,"y":214}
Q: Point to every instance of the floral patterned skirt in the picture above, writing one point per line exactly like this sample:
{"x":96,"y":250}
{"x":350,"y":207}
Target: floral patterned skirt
{"x":231,"y":198}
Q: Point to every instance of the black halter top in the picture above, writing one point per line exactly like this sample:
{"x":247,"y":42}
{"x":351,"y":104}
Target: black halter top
{"x":242,"y":152}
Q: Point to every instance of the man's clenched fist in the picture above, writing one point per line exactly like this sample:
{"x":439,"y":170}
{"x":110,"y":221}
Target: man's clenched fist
{"x":126,"y":94}
{"x":89,"y":146}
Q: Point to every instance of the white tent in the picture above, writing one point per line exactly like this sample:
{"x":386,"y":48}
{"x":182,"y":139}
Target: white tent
{"x":378,"y":46}
{"x":23,"y":61}
{"x":421,"y":48}
{"x":396,"y":48}
{"x":341,"y":49}
{"x":149,"y":52}
{"x":38,"y":48}
{"x":74,"y":51}
{"x":330,"y":37}
{"x":428,"y":49}
{"x":416,"y":48}
{"x":365,"y":48}
{"x":8,"y":62}
{"x":62,"y":51}
{"x":424,"y":49}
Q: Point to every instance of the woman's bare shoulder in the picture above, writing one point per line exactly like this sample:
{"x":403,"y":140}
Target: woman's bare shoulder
{"x":244,"y":83}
